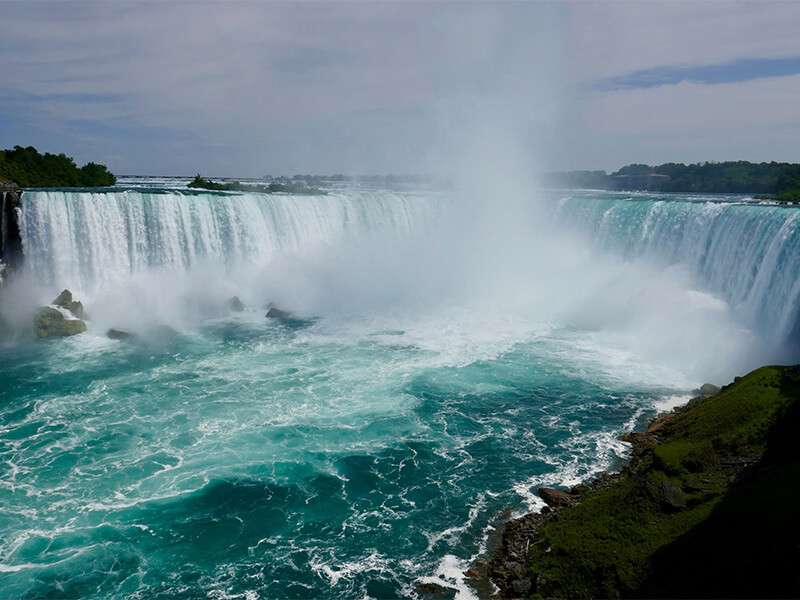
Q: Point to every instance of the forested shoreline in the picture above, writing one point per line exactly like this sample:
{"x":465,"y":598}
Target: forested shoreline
{"x":780,"y":181}
{"x":28,"y":168}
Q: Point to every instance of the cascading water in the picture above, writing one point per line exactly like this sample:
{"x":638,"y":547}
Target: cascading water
{"x":746,"y":253}
{"x":87,"y":239}
{"x":442,"y":363}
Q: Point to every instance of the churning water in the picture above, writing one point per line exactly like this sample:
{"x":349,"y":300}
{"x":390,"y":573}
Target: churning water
{"x":446,"y":356}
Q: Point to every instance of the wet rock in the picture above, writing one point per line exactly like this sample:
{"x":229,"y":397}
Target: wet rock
{"x":65,"y":300}
{"x":641,"y":441}
{"x":671,"y":497}
{"x":554,"y":497}
{"x":432,"y":590}
{"x":581,"y":488}
{"x":235,"y":305}
{"x":50,"y":322}
{"x":277,"y":313}
{"x":471,"y":573}
{"x":706,"y":390}
{"x":657,"y":423}
{"x":119,"y":334}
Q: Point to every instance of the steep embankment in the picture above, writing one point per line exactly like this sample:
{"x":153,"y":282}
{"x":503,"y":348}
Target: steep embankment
{"x":705,"y":508}
{"x":10,"y":240}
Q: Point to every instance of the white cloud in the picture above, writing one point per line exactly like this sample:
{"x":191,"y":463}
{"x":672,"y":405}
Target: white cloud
{"x":753,"y":120}
{"x":609,"y":39}
{"x":248,"y":87}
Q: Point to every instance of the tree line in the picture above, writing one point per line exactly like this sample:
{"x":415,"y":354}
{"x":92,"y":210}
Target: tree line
{"x":28,"y":168}
{"x":773,"y":179}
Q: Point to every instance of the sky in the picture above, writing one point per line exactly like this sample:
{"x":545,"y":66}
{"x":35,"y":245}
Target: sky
{"x":246,"y":89}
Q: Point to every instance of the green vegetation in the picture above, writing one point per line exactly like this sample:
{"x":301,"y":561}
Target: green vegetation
{"x":294,"y":187}
{"x":740,"y":177}
{"x":206,"y":184}
{"x":707,"y":508}
{"x":773,"y":180}
{"x":27,"y":168}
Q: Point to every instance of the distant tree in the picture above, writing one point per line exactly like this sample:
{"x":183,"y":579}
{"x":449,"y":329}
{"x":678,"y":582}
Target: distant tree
{"x":28,"y":168}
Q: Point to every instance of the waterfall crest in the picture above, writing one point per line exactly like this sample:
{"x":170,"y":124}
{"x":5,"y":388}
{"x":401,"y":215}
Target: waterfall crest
{"x":87,"y":239}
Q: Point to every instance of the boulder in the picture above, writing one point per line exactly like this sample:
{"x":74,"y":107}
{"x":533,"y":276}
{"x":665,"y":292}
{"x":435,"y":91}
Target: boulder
{"x":50,"y":322}
{"x":119,"y":334}
{"x":277,"y":313}
{"x":65,"y":300}
{"x":671,"y":496}
{"x":554,"y":497}
{"x":433,"y":590}
{"x":521,"y":587}
{"x":706,"y":390}
{"x":235,"y":305}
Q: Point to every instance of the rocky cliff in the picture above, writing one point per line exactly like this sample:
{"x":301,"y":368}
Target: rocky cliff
{"x":10,"y":239}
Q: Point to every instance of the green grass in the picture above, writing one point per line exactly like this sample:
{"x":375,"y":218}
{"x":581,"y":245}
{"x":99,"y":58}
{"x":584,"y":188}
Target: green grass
{"x":615,"y":542}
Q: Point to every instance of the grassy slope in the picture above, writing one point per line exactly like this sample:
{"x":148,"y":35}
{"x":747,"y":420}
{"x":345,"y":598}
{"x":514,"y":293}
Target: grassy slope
{"x":730,"y":540}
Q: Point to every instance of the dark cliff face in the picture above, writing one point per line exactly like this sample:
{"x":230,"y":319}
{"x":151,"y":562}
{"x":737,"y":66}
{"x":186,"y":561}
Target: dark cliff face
{"x":10,"y":238}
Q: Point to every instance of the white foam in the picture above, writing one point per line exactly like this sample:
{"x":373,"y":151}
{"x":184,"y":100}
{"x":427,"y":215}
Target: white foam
{"x":336,"y":571}
{"x":452,"y":533}
{"x":450,"y":574}
{"x":667,"y":403}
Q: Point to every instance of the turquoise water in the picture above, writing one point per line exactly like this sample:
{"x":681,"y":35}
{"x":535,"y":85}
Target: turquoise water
{"x":366,"y":445}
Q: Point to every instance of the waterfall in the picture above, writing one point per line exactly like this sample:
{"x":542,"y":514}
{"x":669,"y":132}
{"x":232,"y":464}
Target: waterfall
{"x":88,"y":239}
{"x":746,"y":253}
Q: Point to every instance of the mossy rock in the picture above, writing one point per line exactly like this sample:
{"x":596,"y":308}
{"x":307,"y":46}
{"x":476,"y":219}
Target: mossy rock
{"x":50,"y":322}
{"x":65,"y":300}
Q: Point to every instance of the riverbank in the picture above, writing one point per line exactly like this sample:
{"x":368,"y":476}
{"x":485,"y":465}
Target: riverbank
{"x":706,"y":507}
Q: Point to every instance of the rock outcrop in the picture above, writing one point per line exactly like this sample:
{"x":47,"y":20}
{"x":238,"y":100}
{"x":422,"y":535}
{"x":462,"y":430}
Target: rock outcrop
{"x":274,"y":312}
{"x":51,"y":322}
{"x":119,"y":334}
{"x":706,"y":390}
{"x":10,"y":238}
{"x":63,"y":318}
{"x":65,"y":300}
{"x":554,"y":497}
{"x":235,"y":304}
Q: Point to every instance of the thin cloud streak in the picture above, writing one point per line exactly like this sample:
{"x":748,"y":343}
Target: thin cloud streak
{"x":743,"y":70}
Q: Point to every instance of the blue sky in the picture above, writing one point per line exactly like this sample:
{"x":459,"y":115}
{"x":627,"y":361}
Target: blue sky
{"x":249,"y":88}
